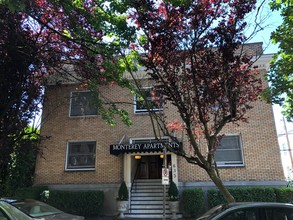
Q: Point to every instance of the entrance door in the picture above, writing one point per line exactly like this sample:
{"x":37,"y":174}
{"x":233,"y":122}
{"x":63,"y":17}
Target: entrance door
{"x":155,"y":167}
{"x":150,"y":167}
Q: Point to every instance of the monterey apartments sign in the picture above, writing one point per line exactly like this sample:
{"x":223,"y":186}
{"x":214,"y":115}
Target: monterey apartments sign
{"x":117,"y":149}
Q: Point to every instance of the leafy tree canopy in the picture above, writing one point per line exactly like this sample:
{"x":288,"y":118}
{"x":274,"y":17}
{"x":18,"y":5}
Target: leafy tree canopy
{"x":39,"y":38}
{"x":194,"y":52}
{"x":280,"y":75}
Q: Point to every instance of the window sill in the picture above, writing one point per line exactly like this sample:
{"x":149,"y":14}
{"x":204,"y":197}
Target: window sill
{"x":230,"y":166}
{"x":147,"y":113}
{"x":80,"y":169}
{"x":82,"y":116}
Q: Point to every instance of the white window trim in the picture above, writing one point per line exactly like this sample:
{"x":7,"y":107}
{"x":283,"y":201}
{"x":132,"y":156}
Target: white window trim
{"x":67,"y":151}
{"x":140,"y":111}
{"x":78,"y":116}
{"x":232,"y":163}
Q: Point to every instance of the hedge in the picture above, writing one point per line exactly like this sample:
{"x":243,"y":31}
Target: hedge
{"x":193,"y":201}
{"x":30,"y":192}
{"x":85,"y":203}
{"x":284,"y":194}
{"x":243,"y":194}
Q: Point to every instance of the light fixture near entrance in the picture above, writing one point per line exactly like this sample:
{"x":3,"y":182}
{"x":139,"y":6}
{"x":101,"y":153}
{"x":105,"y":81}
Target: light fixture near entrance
{"x":161,"y":155}
{"x":137,"y":157}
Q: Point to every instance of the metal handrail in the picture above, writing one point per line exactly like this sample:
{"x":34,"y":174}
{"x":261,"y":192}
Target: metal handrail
{"x":132,"y":184}
{"x":135,"y":176}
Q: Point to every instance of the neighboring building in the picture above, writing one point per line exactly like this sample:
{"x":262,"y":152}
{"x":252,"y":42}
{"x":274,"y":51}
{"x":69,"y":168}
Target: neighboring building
{"x":85,"y":153}
{"x":284,"y":131}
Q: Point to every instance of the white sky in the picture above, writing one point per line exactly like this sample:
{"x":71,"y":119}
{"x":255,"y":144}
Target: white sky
{"x":272,"y":22}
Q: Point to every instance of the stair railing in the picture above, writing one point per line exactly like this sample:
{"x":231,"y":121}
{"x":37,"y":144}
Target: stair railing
{"x":135,"y":177}
{"x":132,"y":184}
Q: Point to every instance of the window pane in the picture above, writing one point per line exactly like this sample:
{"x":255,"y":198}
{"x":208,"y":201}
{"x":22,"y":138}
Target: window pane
{"x":2,"y":216}
{"x":82,"y":103}
{"x":230,"y":142}
{"x":242,"y":214}
{"x":279,"y":213}
{"x":228,"y":155}
{"x":229,"y":151}
{"x":81,"y":155}
{"x":152,"y":100}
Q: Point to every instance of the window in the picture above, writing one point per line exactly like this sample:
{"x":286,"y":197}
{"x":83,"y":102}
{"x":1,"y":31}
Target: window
{"x":81,"y":155}
{"x":242,"y":214}
{"x":153,"y":100}
{"x":2,"y":215}
{"x":279,"y":213}
{"x":82,"y":104}
{"x":229,"y":152}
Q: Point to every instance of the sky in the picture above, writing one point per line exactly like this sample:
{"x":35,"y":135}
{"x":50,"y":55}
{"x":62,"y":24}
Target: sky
{"x":269,"y":21}
{"x":272,"y":21}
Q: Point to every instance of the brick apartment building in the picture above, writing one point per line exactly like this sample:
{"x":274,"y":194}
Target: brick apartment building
{"x":78,"y":154}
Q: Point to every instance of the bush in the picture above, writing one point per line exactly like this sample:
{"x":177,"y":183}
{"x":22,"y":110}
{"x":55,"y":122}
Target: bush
{"x":33,"y":192}
{"x":173,"y":192}
{"x":85,"y":203}
{"x":193,"y":201}
{"x":123,"y":192}
{"x":284,"y":194}
{"x":214,"y":198}
{"x":243,"y":194}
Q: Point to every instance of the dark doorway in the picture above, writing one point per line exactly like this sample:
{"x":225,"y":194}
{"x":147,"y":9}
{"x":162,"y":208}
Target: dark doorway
{"x":150,"y":167}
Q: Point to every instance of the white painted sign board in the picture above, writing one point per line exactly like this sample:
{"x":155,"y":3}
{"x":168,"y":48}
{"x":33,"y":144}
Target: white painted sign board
{"x":165,"y":176}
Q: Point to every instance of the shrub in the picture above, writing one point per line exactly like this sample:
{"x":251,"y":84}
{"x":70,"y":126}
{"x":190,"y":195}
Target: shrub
{"x":123,"y":192}
{"x":193,"y":201}
{"x":243,"y":194}
{"x":33,"y":192}
{"x":254,"y":194}
{"x":284,"y":194}
{"x":85,"y":203}
{"x":173,"y":192}
{"x":214,"y":198}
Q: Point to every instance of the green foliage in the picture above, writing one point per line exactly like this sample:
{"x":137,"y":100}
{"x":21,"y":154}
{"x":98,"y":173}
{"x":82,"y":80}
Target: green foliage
{"x":123,"y":192}
{"x":34,"y":192}
{"x":20,"y":96}
{"x":290,"y":182}
{"x":85,"y":203}
{"x":21,"y":166}
{"x":13,"y":5}
{"x":243,"y":194}
{"x":215,"y":198}
{"x":193,"y":201}
{"x":173,"y":192}
{"x":280,"y":75}
{"x":284,"y":194}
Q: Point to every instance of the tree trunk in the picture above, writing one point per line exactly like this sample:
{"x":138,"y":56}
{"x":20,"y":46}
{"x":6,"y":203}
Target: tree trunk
{"x":218,"y":182}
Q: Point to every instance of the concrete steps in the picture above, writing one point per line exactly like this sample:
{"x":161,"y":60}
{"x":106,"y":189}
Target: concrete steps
{"x":146,"y":200}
